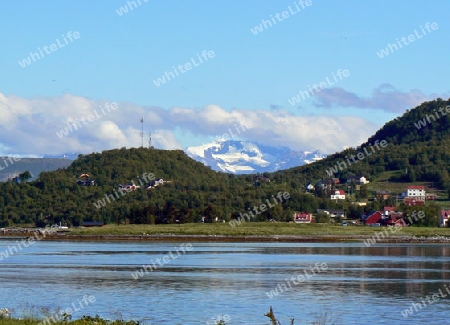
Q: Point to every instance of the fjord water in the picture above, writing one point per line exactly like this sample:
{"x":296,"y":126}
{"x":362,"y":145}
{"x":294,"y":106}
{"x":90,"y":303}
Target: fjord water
{"x":361,"y":285}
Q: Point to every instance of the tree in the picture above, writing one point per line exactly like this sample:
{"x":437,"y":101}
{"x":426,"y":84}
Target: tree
{"x":25,"y":176}
{"x":363,"y":192}
{"x":322,"y":218}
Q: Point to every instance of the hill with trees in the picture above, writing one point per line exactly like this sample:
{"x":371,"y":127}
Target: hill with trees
{"x":412,"y":153}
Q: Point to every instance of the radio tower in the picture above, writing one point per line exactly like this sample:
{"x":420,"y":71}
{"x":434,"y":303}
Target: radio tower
{"x":142,"y":131}
{"x":150,"y":140}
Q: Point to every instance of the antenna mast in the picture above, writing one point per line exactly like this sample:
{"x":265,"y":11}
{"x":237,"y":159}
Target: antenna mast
{"x":142,"y":131}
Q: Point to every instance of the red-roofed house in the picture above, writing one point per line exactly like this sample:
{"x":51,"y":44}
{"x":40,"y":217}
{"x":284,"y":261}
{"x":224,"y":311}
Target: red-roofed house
{"x":338,"y":195}
{"x":302,"y":217}
{"x":431,"y":196}
{"x":396,"y":219}
{"x":445,"y":213}
{"x":413,"y":201}
{"x":388,"y":210}
{"x":416,"y":192}
{"x":372,"y":218}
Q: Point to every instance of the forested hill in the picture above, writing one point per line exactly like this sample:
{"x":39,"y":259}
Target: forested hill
{"x":418,"y":149}
{"x":412,"y":153}
{"x":428,"y":122}
{"x":192,"y":191}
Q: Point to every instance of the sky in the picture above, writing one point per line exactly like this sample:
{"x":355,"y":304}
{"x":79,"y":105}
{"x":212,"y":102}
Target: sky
{"x":307,"y":75}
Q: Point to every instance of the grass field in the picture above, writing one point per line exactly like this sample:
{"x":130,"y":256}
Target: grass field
{"x":253,"y":229}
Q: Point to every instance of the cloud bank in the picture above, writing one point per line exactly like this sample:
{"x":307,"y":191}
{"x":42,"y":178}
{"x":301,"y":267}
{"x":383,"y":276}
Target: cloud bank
{"x":386,"y":97}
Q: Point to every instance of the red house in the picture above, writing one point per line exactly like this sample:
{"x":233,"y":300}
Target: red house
{"x":396,"y":219}
{"x":372,"y":218}
{"x":302,"y":217}
{"x":445,"y":213}
{"x":413,"y":201}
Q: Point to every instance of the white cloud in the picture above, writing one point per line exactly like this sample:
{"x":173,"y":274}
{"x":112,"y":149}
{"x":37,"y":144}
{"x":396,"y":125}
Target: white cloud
{"x":165,"y":139}
{"x":30,"y":126}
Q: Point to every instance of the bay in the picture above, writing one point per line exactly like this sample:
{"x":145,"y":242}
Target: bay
{"x":360,"y":285}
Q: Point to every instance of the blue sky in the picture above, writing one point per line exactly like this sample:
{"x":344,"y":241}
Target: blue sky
{"x":251,"y":77}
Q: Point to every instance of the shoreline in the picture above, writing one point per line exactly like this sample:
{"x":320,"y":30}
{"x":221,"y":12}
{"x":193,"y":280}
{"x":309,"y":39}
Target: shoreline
{"x":238,"y":239}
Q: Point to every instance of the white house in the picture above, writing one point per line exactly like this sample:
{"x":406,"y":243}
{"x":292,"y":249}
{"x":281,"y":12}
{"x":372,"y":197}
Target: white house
{"x":338,"y":195}
{"x":363,"y":180}
{"x":416,"y":192}
{"x":310,"y":187}
{"x":358,"y":180}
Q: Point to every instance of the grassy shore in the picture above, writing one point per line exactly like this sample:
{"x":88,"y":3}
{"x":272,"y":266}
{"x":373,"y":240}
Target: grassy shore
{"x":256,"y":232}
{"x":252,"y":231}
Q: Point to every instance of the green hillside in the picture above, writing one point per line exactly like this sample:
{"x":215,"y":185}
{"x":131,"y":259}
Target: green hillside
{"x":407,"y":155}
{"x":195,"y":191}
{"x":410,"y":155}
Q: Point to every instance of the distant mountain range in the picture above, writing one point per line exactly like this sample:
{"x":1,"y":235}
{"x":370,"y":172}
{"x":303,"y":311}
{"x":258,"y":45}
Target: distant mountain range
{"x":10,"y":167}
{"x":242,"y":157}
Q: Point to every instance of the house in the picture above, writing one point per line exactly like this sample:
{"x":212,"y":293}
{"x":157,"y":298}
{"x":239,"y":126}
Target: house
{"x":337,"y":213}
{"x":338,"y":195}
{"x":128,"y":187}
{"x":431,"y":196}
{"x":363,"y":180}
{"x":372,"y":218}
{"x":359,"y":180}
{"x":326,"y":184}
{"x":445,"y":213}
{"x":382,"y":194}
{"x":156,"y":183}
{"x":395,"y":219}
{"x":388,"y":210}
{"x":412,"y":201}
{"x":416,"y":192}
{"x":332,"y":213}
{"x":336,"y":180}
{"x":310,"y":187}
{"x":302,"y":217}
{"x":322,"y":211}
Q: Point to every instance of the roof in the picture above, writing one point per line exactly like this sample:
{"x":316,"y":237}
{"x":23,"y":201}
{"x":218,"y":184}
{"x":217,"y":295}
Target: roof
{"x":416,"y":187}
{"x":341,"y":192}
{"x":389,"y":209}
{"x":302,"y":216}
{"x":383,"y":192}
{"x":445,"y":213}
{"x":370,"y":214}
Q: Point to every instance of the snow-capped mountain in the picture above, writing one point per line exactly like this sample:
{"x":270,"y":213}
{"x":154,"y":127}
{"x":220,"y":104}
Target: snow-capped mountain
{"x":242,"y":157}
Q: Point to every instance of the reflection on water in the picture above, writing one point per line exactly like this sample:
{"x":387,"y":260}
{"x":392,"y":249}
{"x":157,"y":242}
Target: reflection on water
{"x":361,"y":285}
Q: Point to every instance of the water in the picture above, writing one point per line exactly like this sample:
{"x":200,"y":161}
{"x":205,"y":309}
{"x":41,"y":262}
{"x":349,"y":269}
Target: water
{"x":359,"y":286}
